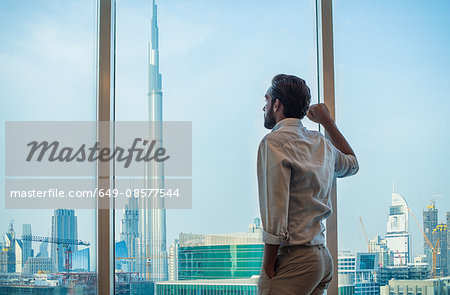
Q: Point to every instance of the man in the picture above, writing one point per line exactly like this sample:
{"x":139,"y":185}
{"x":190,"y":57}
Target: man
{"x":296,"y":169}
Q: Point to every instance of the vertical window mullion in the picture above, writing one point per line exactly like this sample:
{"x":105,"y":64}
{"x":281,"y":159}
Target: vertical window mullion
{"x":104,"y":233}
{"x":325,"y":69}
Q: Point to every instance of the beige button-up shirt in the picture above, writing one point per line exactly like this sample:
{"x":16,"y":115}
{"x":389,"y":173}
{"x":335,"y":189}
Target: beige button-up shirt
{"x":296,"y":168}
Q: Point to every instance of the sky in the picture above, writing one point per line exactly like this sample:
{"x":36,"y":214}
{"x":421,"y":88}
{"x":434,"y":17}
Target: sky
{"x":217,"y":59}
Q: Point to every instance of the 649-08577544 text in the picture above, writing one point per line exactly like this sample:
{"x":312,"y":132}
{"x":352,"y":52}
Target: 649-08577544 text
{"x":100,"y":193}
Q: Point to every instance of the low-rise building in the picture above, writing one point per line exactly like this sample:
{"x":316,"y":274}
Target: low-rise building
{"x":439,"y":286}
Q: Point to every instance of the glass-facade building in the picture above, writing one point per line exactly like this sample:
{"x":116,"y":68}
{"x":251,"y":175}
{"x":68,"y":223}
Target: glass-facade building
{"x":64,"y":226}
{"x":346,"y":290}
{"x":209,"y":287}
{"x":346,"y":271}
{"x":81,"y":260}
{"x":366,"y":269}
{"x":219,"y":261}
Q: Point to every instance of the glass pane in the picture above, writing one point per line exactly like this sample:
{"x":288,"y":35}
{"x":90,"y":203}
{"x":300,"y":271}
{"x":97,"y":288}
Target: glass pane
{"x":391,"y":95}
{"x":216,"y":60}
{"x":48,"y":73}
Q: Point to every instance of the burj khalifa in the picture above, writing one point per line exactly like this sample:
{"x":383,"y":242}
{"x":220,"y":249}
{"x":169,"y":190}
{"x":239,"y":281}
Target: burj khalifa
{"x":152,"y":264}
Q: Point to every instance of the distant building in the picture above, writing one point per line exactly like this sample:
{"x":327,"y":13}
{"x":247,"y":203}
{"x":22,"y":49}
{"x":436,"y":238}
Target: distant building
{"x":43,"y":250}
{"x":237,"y":255}
{"x":8,"y":256}
{"x":217,"y":287}
{"x":386,"y":256}
{"x":3,"y":260}
{"x":397,"y":235}
{"x":448,"y":243}
{"x":189,"y":239}
{"x":18,"y":253}
{"x":346,"y":273}
{"x":121,"y":256}
{"x":436,"y":232}
{"x":365,"y":276}
{"x":64,"y":226}
{"x":255,"y":227}
{"x":173,"y":260}
{"x":430,"y":221}
{"x":129,"y":234}
{"x":27,"y":249}
{"x":81,"y":260}
{"x":38,"y":265}
{"x":42,"y":283}
{"x":440,"y":286}
{"x":410,"y":272}
{"x":220,"y":256}
{"x":14,"y":252}
{"x":440,"y":238}
{"x":151,"y":242}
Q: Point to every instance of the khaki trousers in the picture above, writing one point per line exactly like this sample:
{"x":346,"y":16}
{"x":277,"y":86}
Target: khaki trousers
{"x":299,"y":270}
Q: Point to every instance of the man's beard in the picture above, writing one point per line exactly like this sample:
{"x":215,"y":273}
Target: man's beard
{"x":269,"y":119}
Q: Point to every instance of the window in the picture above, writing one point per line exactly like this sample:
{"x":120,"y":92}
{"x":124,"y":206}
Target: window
{"x":216,"y":62}
{"x":48,"y":73}
{"x":391,"y":99}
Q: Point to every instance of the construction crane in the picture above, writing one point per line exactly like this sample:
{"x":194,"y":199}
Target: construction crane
{"x":433,"y":249}
{"x":66,"y":243}
{"x":365,"y":234}
{"x":55,"y":240}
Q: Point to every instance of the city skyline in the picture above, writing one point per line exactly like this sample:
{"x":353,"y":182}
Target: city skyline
{"x":362,"y":43}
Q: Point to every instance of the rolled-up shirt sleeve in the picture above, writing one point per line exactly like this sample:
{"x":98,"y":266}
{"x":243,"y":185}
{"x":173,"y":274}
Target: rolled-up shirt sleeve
{"x":274,"y":173}
{"x":345,"y":165}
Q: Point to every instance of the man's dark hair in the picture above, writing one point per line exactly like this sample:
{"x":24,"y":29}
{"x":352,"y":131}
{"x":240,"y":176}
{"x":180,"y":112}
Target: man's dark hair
{"x":293,"y":93}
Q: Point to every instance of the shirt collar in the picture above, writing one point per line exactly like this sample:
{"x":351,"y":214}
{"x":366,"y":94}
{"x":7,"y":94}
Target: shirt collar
{"x":288,"y":122}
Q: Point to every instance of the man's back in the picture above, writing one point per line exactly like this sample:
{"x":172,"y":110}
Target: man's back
{"x":296,"y":169}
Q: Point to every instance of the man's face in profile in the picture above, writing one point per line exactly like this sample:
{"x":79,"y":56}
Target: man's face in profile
{"x":269,"y":117}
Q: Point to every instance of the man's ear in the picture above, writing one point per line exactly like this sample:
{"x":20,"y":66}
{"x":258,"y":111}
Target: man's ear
{"x":276,"y":105}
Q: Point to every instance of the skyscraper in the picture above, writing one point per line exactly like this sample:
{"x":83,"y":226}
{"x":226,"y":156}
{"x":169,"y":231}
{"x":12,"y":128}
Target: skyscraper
{"x":18,"y":251}
{"x":152,"y":222}
{"x":430,"y":221}
{"x":27,"y":249}
{"x":8,"y":259}
{"x":448,"y":243}
{"x":397,"y":235}
{"x":130,"y":232}
{"x":64,"y":226}
{"x":440,"y":238}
